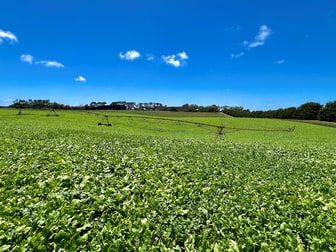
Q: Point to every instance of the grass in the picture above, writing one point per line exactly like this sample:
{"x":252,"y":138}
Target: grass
{"x":322,"y":123}
{"x":303,"y":134}
{"x":152,"y":185}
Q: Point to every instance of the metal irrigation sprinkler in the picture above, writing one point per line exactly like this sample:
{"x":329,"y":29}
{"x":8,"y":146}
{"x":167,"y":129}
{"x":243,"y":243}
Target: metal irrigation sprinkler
{"x":104,"y":118}
{"x":104,"y":121}
{"x":220,"y":128}
{"x":52,"y":112}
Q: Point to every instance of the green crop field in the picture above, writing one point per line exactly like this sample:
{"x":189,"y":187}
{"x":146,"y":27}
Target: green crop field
{"x":67,"y":184}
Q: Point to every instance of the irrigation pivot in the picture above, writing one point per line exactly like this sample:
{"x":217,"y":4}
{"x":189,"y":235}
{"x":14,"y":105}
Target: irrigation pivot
{"x":105,"y":121}
{"x":220,"y":128}
{"x":52,"y":112}
{"x":104,"y":118}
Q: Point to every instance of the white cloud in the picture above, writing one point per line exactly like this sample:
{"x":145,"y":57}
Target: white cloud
{"x":47,"y":63}
{"x":183,"y":55}
{"x":130,"y":55}
{"x":80,"y":79}
{"x":7,"y":35}
{"x":176,"y":60}
{"x":280,"y":62}
{"x":150,"y":57}
{"x":171,"y":60}
{"x":255,"y":44}
{"x":27,"y":58}
{"x":50,"y":63}
{"x":238,"y":55}
{"x":264,"y":33}
{"x":259,"y":40}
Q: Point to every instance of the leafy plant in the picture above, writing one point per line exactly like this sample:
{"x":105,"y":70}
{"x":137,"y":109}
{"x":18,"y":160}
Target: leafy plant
{"x":68,"y":185}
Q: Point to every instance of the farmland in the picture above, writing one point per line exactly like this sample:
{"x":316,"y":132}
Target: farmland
{"x":155,"y":185}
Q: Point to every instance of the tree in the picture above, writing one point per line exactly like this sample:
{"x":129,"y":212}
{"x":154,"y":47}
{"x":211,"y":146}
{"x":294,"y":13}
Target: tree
{"x":119,"y":105}
{"x":308,"y":111}
{"x":212,"y":108}
{"x":328,"y":112}
{"x":289,"y":113}
{"x":237,"y":111}
{"x":19,"y":103}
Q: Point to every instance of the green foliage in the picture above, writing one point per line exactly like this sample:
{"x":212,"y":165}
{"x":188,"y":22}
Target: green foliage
{"x":195,"y":108}
{"x":328,"y":112}
{"x":68,"y":184}
{"x":308,"y":111}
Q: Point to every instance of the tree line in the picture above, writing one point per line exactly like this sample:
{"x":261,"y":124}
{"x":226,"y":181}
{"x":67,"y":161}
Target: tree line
{"x":307,"y":111}
{"x":94,"y":105}
{"x":192,"y":108}
{"x":37,"y":104}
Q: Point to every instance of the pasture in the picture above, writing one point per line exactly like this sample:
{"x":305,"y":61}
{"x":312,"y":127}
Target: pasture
{"x":143,"y":184}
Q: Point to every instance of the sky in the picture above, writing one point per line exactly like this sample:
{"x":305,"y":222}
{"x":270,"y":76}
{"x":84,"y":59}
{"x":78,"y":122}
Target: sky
{"x":257,"y":54}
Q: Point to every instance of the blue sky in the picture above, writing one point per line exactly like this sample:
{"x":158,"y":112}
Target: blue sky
{"x":256,"y":54}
